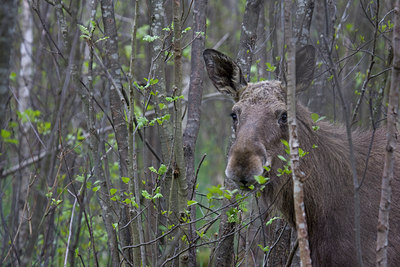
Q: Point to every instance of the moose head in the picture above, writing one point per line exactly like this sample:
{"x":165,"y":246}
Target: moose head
{"x":259,"y":115}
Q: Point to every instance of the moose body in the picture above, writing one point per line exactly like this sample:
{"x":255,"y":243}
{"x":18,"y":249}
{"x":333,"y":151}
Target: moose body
{"x":260,"y":122}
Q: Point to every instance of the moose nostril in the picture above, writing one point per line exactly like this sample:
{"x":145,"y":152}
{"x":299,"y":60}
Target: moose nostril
{"x":243,"y":182}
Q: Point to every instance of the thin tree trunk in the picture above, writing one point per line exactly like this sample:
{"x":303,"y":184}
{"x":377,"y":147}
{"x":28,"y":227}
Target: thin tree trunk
{"x":194,"y":112}
{"x":118,"y":105}
{"x":297,"y":174}
{"x":304,"y":13}
{"x":392,"y":139}
{"x":248,"y":36}
{"x":179,"y":170}
{"x":137,"y":228}
{"x":157,"y":71}
{"x":67,"y":47}
{"x":8,"y":18}
{"x":24,"y":82}
{"x":273,"y":25}
{"x":224,"y":251}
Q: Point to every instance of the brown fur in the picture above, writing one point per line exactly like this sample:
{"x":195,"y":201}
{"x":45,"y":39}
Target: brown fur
{"x":328,"y":188}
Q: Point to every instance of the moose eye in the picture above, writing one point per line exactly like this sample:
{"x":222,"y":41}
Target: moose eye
{"x":283,"y":118}
{"x":234,"y":117}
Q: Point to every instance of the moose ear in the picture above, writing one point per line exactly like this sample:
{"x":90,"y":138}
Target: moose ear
{"x":305,"y":64}
{"x":225,"y":74}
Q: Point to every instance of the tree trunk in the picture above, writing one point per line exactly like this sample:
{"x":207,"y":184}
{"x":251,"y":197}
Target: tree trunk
{"x":297,"y":174}
{"x":8,"y":18}
{"x":248,"y":36}
{"x":194,"y":112}
{"x":304,"y":13}
{"x":118,"y":106}
{"x":392,"y":139}
{"x":24,"y":175}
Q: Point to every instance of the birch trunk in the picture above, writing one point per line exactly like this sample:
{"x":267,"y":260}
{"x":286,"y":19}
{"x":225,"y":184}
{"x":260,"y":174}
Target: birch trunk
{"x":24,"y":176}
{"x":297,"y":174}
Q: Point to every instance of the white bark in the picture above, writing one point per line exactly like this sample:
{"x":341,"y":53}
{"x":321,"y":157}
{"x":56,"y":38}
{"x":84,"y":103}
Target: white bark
{"x":23,"y":93}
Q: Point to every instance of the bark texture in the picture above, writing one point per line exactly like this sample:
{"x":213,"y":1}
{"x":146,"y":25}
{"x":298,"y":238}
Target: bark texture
{"x":248,"y":36}
{"x":297,"y":174}
{"x":392,"y":140}
{"x":8,"y":17}
{"x":121,"y":132}
{"x":194,"y":112}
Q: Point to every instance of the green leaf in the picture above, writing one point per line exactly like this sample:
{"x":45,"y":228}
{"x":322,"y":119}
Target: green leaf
{"x":13,"y":124}
{"x":95,"y":189}
{"x":270,"y":67}
{"x":270,"y":221}
{"x":80,"y":178}
{"x":302,"y":153}
{"x":146,"y":195}
{"x":227,"y":196}
{"x":215,"y":190}
{"x":200,"y":234}
{"x":113,"y":191}
{"x":186,"y":30}
{"x":261,"y":179}
{"x":191,"y":202}
{"x":314,"y":117}
{"x":232,"y":214}
{"x":5,"y":134}
{"x":13,"y":76}
{"x":282,"y":158}
{"x":349,"y":26}
{"x":283,"y":141}
{"x":141,"y":122}
{"x":175,"y":98}
{"x":264,"y":249}
{"x":84,"y":36}
{"x":102,"y":39}
{"x":149,"y":38}
{"x":162,"y":169}
{"x":125,"y":179}
{"x":158,"y":195}
{"x":83,"y":29}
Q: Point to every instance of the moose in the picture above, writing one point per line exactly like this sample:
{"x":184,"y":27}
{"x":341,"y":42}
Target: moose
{"x":260,"y":123}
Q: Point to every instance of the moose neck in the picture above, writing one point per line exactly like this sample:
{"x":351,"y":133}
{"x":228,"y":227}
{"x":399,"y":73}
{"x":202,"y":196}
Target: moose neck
{"x":326,"y":168}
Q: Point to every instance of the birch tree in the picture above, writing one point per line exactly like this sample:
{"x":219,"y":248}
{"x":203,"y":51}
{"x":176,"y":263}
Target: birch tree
{"x":24,"y":81}
{"x":297,"y":175}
